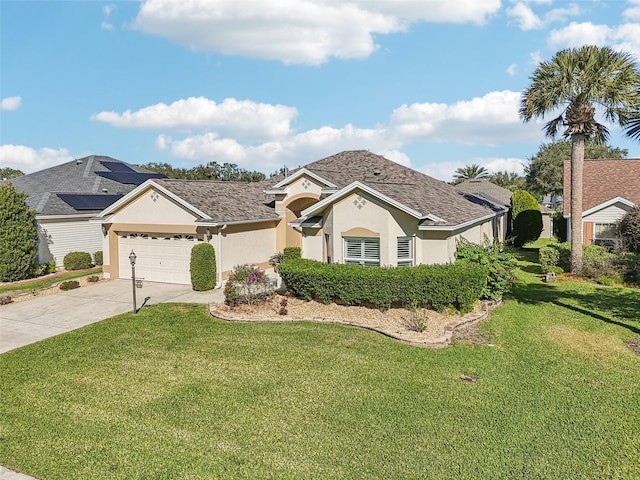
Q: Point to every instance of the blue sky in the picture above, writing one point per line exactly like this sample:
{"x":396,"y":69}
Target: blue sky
{"x":434,"y":85}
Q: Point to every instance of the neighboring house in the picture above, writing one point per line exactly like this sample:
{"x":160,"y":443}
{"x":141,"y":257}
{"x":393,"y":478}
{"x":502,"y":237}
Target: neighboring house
{"x":611,"y":188}
{"x":487,"y":189}
{"x":66,"y":196}
{"x":353,"y":207}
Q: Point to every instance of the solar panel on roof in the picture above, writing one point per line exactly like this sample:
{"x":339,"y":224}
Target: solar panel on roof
{"x":118,"y":167}
{"x":130,"y":178}
{"x":88,"y":201}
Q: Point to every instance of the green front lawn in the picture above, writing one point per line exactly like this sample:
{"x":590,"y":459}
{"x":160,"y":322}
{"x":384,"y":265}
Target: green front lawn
{"x":171,"y":393}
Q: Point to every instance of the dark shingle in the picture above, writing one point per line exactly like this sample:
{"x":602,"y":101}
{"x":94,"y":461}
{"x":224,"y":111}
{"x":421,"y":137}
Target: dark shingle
{"x":78,"y":177}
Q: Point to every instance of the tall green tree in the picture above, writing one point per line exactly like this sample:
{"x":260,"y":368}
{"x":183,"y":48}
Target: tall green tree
{"x":574,"y":82}
{"x":545,"y":172}
{"x":227,"y":172}
{"x":468,"y":172}
{"x":7,"y":173}
{"x":509,"y":180}
{"x":18,"y":235}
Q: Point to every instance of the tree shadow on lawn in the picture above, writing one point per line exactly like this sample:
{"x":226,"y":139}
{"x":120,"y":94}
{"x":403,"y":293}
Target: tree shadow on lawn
{"x":622,"y":304}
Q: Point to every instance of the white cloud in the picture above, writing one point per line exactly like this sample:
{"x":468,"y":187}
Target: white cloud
{"x":488,"y":120}
{"x":107,"y":26}
{"x":108,"y":9}
{"x":624,"y":37}
{"x":445,"y":170}
{"x":297,"y":31}
{"x":30,"y":160}
{"x":633,"y":12}
{"x":511,"y":69}
{"x":292,"y":151}
{"x":536,"y":58}
{"x":237,"y":118}
{"x":11,"y":103}
{"x":526,"y":19}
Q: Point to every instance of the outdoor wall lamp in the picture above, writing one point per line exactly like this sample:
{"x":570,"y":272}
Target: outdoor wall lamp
{"x":132,"y":259}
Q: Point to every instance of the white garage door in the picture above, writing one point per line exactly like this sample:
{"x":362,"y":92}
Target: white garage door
{"x":159,"y":257}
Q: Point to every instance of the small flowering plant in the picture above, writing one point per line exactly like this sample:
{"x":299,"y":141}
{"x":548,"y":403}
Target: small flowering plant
{"x":251,"y":284}
{"x":499,"y":262}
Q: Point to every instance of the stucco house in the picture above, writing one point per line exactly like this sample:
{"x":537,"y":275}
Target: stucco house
{"x":352,"y":207}
{"x":611,"y":187}
{"x":66,"y":196}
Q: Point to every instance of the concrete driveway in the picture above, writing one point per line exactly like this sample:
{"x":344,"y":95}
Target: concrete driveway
{"x":32,"y":320}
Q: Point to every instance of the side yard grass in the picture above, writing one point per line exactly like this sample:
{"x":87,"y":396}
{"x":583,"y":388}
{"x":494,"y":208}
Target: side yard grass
{"x":45,"y":282}
{"x":171,"y":393}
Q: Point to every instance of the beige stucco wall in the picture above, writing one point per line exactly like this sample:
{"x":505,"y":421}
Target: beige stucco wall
{"x":252,"y":243}
{"x":162,"y":211}
{"x":362,"y":211}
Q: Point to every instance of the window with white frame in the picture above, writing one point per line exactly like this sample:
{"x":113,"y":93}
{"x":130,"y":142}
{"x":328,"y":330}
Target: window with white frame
{"x":604,"y":231}
{"x":362,"y":251}
{"x":405,"y":251}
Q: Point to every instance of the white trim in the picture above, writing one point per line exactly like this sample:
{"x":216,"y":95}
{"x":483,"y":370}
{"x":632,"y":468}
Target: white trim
{"x":300,"y":173}
{"x":65,"y":217}
{"x":460,"y":225}
{"x":153,"y":185}
{"x":606,"y":204}
{"x":350,"y":188}
{"x":237,"y":222}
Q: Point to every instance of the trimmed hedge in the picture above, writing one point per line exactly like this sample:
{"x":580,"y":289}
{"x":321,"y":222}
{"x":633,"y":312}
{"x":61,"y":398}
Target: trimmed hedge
{"x":291,"y":253}
{"x":203,"y":267}
{"x":97,"y":257}
{"x":77,"y":261}
{"x":432,"y":286}
{"x":527,"y":218}
{"x":69,"y":285}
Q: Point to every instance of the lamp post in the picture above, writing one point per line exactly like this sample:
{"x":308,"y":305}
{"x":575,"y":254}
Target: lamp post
{"x":132,"y":259}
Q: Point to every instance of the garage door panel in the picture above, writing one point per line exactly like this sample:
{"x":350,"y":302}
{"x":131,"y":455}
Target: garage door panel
{"x":160,"y":257}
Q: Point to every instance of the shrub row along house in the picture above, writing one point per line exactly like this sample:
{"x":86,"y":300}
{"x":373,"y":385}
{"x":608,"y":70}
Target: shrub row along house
{"x":611,"y":188}
{"x":352,"y":207}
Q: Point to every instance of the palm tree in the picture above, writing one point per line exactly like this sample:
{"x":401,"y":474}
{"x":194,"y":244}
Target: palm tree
{"x":574,"y":82}
{"x":469,"y":171}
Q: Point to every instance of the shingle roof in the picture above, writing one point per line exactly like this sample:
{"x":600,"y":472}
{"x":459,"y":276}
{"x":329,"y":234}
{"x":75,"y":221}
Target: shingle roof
{"x":482,"y":185}
{"x":413,"y":189}
{"x":225,"y":201}
{"x":604,"y":180}
{"x":78,"y":176}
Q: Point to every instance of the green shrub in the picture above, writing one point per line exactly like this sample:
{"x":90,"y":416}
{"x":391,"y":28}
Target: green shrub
{"x":548,"y":257}
{"x":600,"y":265}
{"x":203,"y":267}
{"x":18,"y":235}
{"x":291,"y":253}
{"x":251,"y":285}
{"x":629,"y":230}
{"x":456,"y":285}
{"x":527,"y":218}
{"x":630,"y":265}
{"x":69,"y":285}
{"x":559,"y":226}
{"x":97,"y":257}
{"x":231,"y":295}
{"x":93,"y":279}
{"x":40,"y":269}
{"x":499,"y":262}
{"x":77,"y":261}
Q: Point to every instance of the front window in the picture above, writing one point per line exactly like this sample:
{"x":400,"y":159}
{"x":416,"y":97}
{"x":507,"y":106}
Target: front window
{"x":362,"y":251}
{"x":604,"y":234}
{"x":405,"y":251}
